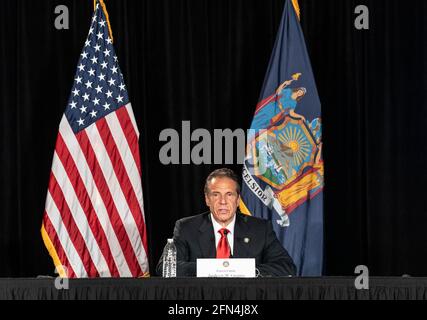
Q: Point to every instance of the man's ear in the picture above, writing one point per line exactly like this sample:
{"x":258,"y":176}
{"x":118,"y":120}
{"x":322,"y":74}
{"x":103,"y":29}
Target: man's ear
{"x":207,"y":200}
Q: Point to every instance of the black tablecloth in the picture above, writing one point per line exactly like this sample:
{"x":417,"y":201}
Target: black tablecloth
{"x":214,"y":289}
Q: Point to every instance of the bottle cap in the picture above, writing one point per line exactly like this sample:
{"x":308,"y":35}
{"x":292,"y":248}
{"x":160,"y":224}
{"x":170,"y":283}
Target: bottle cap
{"x":170,"y":240}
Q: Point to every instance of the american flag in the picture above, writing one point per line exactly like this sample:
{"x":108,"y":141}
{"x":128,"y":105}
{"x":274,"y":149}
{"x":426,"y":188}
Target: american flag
{"x":93,"y":224}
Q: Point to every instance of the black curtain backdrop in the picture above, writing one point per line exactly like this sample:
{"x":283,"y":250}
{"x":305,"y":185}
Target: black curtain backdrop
{"x":204,"y":61}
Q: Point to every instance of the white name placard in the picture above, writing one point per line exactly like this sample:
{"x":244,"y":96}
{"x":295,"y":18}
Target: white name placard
{"x":226,"y":268}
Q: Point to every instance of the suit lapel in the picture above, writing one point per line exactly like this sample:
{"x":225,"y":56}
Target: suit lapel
{"x":241,"y":237}
{"x":207,"y":238}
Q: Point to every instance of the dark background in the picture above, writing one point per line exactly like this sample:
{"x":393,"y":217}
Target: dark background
{"x":204,"y":61}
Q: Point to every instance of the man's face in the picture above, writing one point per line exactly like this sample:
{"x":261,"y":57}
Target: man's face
{"x":222,"y":199}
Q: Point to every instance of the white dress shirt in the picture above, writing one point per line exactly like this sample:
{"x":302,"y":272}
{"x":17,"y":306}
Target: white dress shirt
{"x":230,"y":234}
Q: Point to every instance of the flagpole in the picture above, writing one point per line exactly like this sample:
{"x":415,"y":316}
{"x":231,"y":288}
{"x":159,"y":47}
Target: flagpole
{"x":106,"y":16}
{"x":296,"y":7}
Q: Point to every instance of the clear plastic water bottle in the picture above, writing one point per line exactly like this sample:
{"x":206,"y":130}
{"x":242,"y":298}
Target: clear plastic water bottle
{"x":169,"y":260}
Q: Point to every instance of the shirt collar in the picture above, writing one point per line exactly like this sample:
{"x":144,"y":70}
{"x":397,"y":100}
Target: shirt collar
{"x":217,"y":226}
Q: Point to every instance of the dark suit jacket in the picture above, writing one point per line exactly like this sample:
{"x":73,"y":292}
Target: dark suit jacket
{"x":194,"y":238}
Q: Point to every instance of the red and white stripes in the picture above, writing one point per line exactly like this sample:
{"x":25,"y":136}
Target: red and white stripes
{"x":94,"y":213}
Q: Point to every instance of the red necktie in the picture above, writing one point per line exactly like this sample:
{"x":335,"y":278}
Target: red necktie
{"x":223,"y":249}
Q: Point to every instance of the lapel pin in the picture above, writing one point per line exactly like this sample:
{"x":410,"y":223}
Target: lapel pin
{"x":246,"y":240}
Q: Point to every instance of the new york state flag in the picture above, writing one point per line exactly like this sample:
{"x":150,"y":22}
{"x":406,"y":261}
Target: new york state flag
{"x":283,"y":174}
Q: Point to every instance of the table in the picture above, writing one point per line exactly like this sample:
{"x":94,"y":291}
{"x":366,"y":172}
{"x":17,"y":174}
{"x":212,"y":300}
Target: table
{"x":322,"y":288}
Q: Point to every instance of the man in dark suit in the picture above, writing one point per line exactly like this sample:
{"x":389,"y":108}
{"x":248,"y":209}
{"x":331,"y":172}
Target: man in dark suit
{"x":224,"y":233}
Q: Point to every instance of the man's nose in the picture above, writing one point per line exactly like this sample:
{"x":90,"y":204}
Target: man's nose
{"x":222,"y":199}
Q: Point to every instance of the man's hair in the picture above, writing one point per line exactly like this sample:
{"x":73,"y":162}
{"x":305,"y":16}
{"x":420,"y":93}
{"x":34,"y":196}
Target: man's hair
{"x":222,"y":173}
